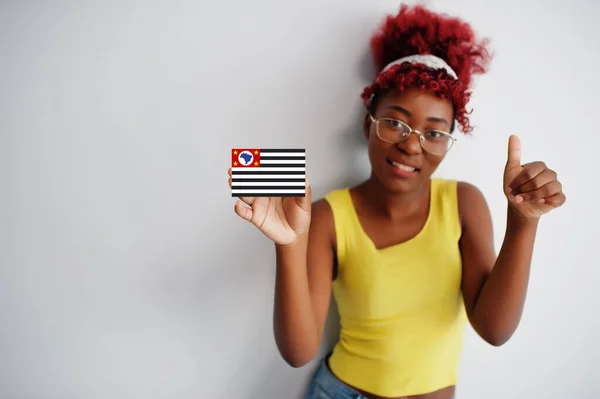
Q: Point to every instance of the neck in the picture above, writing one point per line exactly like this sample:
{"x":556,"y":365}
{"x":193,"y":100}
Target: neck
{"x":394,"y":205}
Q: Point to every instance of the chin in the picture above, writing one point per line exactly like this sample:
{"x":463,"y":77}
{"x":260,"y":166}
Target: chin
{"x":399,"y":182}
{"x":397,"y":185}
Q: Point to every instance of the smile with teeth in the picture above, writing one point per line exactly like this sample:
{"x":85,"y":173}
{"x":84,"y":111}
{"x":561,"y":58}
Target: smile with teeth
{"x":402,"y":166}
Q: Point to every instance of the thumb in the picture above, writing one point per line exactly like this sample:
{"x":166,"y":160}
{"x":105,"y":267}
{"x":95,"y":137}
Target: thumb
{"x":514,"y":152}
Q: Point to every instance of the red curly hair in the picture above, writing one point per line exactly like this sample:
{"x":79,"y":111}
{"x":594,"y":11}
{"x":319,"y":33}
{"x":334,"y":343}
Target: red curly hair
{"x":416,"y":30}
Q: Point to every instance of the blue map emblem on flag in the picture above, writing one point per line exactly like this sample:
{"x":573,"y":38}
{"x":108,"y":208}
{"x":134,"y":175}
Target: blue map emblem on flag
{"x":245,"y":158}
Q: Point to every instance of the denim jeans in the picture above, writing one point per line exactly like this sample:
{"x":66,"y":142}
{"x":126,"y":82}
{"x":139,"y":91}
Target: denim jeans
{"x":325,"y":385}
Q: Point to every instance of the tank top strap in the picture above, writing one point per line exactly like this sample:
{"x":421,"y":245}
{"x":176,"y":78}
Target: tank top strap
{"x":346,"y":225}
{"x":444,"y":204}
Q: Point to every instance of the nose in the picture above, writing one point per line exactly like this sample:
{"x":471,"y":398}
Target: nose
{"x":412,"y":145}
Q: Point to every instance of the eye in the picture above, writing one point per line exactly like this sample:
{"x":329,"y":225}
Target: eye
{"x":434,"y":134}
{"x":394,"y":124}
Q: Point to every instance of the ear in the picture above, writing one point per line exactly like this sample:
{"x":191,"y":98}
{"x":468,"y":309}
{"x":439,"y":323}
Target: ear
{"x":367,"y":125}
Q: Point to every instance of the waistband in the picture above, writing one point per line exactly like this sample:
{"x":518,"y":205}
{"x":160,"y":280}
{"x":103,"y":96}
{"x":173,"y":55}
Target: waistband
{"x":324,"y":381}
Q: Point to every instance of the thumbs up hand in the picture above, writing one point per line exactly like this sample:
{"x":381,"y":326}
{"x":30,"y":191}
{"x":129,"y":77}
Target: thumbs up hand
{"x":531,"y":189}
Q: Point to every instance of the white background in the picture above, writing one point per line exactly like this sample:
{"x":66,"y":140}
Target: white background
{"x":124,"y":272}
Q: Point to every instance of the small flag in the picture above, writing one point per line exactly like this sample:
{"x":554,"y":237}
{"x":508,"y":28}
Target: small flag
{"x":268,"y":172}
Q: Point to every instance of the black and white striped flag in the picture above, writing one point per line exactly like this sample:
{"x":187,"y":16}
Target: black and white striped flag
{"x":259,"y":172}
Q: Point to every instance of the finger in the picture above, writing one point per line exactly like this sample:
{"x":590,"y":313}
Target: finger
{"x":514,"y":152}
{"x":529,"y":171}
{"x":248,"y":200}
{"x":304,"y":202}
{"x":545,"y":177}
{"x":555,"y":200}
{"x":547,"y":190}
{"x":242,"y":211}
{"x":229,"y":171}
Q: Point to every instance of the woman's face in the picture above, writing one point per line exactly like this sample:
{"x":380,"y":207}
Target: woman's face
{"x":421,"y":111}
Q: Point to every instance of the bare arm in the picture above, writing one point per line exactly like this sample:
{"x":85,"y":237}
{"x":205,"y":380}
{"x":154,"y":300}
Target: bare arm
{"x":303,"y":288}
{"x":304,"y":238}
{"x":494,"y":288}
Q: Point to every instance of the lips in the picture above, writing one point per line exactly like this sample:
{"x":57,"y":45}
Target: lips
{"x":403,"y":166}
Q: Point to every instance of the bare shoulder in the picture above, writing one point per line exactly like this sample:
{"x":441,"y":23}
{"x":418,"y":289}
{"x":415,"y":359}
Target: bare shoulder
{"x":471,"y":202}
{"x":468,"y":191}
{"x":322,"y":207}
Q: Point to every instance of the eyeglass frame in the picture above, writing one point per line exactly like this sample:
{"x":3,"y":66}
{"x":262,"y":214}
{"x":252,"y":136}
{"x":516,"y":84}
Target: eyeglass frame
{"x":411,"y":130}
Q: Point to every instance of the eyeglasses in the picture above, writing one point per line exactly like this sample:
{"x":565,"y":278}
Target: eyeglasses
{"x":394,"y":131}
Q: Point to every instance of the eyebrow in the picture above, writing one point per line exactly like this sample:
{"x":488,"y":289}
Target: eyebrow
{"x":408,"y":113}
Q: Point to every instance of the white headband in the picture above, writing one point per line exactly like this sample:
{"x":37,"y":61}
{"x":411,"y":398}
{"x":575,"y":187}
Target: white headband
{"x":428,"y":60}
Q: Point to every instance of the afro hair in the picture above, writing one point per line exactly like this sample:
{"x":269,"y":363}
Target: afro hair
{"x":417,"y":30}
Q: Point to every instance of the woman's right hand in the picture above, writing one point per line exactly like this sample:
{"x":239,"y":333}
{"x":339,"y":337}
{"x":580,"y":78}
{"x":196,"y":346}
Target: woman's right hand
{"x":282,"y":219}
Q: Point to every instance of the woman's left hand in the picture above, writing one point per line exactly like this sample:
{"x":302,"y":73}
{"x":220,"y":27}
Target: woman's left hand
{"x":532,"y":189}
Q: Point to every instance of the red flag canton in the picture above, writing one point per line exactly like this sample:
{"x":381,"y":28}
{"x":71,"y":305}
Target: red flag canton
{"x":245,"y":157}
{"x":268,"y":172}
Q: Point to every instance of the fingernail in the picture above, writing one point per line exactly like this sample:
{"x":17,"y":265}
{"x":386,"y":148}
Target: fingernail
{"x":542,"y":200}
{"x":518,"y":199}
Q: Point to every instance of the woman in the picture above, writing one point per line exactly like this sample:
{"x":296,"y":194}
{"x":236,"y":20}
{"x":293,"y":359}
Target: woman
{"x":410,"y":258}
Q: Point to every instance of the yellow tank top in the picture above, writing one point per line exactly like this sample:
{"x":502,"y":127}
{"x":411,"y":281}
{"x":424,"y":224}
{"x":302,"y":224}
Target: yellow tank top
{"x":401,"y":309}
